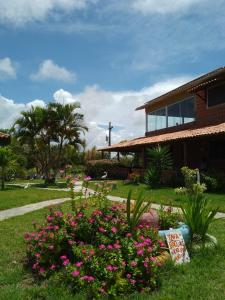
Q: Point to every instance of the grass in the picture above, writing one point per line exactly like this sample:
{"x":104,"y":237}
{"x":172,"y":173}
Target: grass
{"x":165,"y":196}
{"x":203,"y":278}
{"x":15,"y":197}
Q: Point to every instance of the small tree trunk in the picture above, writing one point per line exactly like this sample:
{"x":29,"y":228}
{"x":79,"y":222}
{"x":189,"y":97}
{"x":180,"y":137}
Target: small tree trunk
{"x":3,"y":178}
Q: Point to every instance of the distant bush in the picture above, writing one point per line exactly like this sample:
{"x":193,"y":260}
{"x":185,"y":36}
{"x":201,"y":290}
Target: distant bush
{"x":215,"y":181}
{"x":114,"y":169}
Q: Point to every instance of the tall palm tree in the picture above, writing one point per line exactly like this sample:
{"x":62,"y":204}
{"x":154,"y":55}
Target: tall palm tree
{"x":47,"y":130}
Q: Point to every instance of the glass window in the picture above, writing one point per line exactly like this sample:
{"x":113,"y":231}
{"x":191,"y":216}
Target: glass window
{"x":157,"y":120}
{"x":216,"y":95}
{"x":177,"y":114}
{"x":174,"y":115}
{"x":188,"y":110}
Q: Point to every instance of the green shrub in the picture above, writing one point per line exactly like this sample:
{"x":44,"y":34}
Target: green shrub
{"x":160,"y":160}
{"x":95,"y":253}
{"x":168,"y":218}
{"x":96,"y":169}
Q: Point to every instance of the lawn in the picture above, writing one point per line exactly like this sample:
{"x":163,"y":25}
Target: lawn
{"x":15,"y":197}
{"x":164,"y":196}
{"x":203,"y":278}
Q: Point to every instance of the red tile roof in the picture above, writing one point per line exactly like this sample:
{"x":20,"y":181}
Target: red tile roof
{"x":166,"y":137}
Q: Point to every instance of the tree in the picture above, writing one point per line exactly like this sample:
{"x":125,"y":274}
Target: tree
{"x":6,"y":161}
{"x":45,"y":132}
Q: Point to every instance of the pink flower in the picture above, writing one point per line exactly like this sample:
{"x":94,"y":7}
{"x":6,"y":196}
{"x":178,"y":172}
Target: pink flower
{"x":128,"y":235}
{"x":51,"y":247}
{"x":75,"y":273}
{"x":161,"y":243}
{"x":153,"y":259}
{"x":132,"y":281}
{"x":70,"y":242}
{"x":117,"y":246}
{"x":37,"y":254}
{"x":101,"y":246}
{"x":109,"y":268}
{"x":80,"y":215}
{"x":92,"y":252}
{"x":140,"y":252}
{"x":145,"y":264}
{"x":53,"y":267}
{"x":73,"y":224}
{"x":101,"y":229}
{"x":50,"y":218}
{"x":78,"y":264}
{"x":128,"y":276}
{"x":66,"y":262}
{"x":149,"y":250}
{"x":87,"y":178}
{"x":56,"y":227}
{"x":110,"y":247}
{"x":87,"y":278}
{"x":35,"y":266}
{"x":42,"y":270}
{"x":114,"y":229}
{"x":63,"y":257}
{"x":133,"y":264}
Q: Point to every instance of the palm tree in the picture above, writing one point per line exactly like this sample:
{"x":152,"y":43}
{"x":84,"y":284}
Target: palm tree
{"x":46,"y":131}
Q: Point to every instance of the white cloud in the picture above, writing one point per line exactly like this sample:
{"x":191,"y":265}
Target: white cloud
{"x":163,"y":6}
{"x":20,"y":12}
{"x":99,"y":107}
{"x":48,"y":70}
{"x":7,"y":70}
{"x":9,"y":110}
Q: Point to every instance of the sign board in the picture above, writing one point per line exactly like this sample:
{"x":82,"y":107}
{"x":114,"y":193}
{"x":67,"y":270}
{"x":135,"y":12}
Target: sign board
{"x":177,"y":247}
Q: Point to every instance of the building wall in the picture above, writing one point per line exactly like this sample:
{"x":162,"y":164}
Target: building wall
{"x":208,"y":115}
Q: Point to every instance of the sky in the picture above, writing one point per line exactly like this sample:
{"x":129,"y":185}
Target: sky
{"x":109,"y":55}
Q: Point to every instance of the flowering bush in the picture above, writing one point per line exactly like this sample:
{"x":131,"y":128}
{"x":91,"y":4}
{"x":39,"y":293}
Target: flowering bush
{"x":95,"y":252}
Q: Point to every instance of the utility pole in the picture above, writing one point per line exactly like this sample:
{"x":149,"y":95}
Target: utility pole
{"x":108,"y":138}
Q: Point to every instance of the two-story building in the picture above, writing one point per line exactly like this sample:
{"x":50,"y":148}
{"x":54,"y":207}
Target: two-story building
{"x":190,"y":120}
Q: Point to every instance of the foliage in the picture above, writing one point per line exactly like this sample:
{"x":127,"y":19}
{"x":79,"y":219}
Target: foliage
{"x":198,"y":214}
{"x":190,"y":177}
{"x":46,"y":132}
{"x":92,"y":154}
{"x":160,"y":160}
{"x":211,"y":182}
{"x":96,"y":169}
{"x":168,"y":218}
{"x":94,"y":252}
{"x":135,"y":213}
{"x":7,"y":163}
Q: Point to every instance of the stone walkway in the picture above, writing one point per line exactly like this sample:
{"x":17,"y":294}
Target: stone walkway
{"x":22,"y":210}
{"x":17,"y":211}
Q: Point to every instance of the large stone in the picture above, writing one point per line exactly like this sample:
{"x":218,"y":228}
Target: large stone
{"x":151,"y":218}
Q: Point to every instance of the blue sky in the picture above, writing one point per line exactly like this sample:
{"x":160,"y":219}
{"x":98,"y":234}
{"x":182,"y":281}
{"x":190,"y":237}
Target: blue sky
{"x":106,"y":54}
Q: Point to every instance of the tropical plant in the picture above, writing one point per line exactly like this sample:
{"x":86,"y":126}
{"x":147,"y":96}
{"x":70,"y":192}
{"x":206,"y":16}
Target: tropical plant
{"x":160,"y":160}
{"x":198,"y":214}
{"x":45,"y":132}
{"x":7,"y":162}
{"x":135,"y":212}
